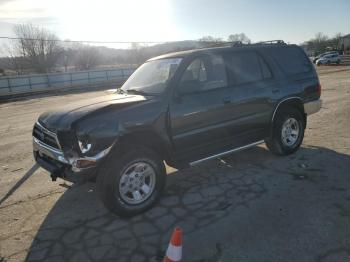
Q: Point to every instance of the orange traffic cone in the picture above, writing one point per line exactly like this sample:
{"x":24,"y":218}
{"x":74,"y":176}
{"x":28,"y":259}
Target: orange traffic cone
{"x":174,"y":251}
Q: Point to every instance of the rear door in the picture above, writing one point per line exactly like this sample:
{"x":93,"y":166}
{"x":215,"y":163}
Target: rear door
{"x":252,"y":85}
{"x":198,"y":111}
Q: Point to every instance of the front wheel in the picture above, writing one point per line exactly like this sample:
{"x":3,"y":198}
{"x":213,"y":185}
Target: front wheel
{"x":131,"y":183}
{"x":288,"y":132}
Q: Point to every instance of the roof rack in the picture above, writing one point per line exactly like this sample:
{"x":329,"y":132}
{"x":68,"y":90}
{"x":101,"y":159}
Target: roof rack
{"x":239,"y":43}
{"x":236,"y":43}
{"x":271,"y":42}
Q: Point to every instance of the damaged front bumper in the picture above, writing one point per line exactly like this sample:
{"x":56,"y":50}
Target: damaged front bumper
{"x":54,"y":161}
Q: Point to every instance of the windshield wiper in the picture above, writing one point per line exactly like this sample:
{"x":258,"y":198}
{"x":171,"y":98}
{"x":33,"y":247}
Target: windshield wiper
{"x":139,"y":92}
{"x":120,"y":91}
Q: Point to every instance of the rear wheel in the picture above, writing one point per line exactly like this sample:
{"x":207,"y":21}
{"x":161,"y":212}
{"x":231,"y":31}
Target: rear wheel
{"x":287,"y":133}
{"x":131,"y":183}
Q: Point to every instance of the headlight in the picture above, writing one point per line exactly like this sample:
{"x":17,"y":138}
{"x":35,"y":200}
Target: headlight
{"x":84,"y":146}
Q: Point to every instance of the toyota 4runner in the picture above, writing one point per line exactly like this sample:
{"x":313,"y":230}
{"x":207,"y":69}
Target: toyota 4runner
{"x":182,"y":109}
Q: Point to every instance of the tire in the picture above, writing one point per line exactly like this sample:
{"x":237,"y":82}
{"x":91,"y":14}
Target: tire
{"x":338,"y":62}
{"x":115,"y":178}
{"x":278,"y":143}
{"x":328,"y":62}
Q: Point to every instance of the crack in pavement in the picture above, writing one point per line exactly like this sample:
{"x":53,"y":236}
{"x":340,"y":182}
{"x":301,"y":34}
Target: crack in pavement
{"x":201,"y":197}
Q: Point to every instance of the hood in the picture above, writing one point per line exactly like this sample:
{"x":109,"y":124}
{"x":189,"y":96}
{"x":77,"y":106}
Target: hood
{"x":65,"y":116}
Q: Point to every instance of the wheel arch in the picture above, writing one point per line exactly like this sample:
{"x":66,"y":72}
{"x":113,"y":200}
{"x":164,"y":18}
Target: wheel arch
{"x":145,"y":138}
{"x":294,"y":102}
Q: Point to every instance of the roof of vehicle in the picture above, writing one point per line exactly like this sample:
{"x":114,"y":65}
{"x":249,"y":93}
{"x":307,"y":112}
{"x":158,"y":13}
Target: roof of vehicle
{"x":329,"y":55}
{"x":222,"y":48}
{"x":330,"y":52}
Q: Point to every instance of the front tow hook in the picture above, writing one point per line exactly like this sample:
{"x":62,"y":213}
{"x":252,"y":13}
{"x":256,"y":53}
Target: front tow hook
{"x":53,"y":177}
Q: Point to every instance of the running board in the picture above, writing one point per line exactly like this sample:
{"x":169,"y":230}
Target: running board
{"x":226,"y":153}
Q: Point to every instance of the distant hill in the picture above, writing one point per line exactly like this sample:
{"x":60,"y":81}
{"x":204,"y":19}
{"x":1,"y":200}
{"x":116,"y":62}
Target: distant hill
{"x":112,"y":57}
{"x":142,"y":53}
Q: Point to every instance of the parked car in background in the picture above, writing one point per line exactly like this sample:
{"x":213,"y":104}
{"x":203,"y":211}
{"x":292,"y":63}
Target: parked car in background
{"x":181,"y":108}
{"x":324,"y":54}
{"x":329,"y":59}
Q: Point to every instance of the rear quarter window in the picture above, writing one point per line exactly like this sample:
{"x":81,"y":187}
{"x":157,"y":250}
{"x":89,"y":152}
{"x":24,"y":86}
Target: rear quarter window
{"x":291,"y":60}
{"x":246,"y":67}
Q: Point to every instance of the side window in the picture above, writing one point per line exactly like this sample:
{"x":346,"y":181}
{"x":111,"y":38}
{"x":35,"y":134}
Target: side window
{"x":266,"y":73}
{"x":196,"y":71}
{"x":245,"y":67}
{"x":292,"y":60}
{"x":208,"y":72}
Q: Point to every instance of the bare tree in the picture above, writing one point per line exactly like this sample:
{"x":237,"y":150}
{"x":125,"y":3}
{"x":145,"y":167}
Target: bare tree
{"x":86,"y":57}
{"x":320,"y":38}
{"x":13,"y":61}
{"x":137,"y":53}
{"x":239,"y":38}
{"x":209,"y":41}
{"x":321,"y":43}
{"x":336,"y":41}
{"x":37,"y":47}
{"x":210,"y":38}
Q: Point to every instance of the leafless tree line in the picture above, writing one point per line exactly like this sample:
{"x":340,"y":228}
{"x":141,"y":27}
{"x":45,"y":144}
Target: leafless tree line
{"x":231,"y":38}
{"x":37,"y":50}
{"x":36,"y":47}
{"x":322,"y":43}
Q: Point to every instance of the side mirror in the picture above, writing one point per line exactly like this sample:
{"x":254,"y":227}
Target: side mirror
{"x":189,"y":87}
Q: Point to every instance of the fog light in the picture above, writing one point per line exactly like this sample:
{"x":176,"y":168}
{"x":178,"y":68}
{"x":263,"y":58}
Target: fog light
{"x":84,"y":146}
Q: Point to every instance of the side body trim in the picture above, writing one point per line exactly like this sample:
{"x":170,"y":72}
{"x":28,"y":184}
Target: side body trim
{"x":226,"y":152}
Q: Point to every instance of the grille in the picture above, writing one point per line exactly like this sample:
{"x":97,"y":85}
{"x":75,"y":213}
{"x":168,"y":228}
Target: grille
{"x":45,"y":136}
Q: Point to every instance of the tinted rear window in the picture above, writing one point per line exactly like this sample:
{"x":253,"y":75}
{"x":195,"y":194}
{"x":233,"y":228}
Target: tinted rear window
{"x":292,"y":60}
{"x":245,"y":67}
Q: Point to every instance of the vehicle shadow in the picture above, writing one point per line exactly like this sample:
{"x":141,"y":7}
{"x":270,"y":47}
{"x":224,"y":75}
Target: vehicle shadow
{"x":19,"y":183}
{"x":79,"y":228}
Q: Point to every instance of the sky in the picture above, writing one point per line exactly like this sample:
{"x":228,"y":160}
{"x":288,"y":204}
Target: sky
{"x":172,"y":20}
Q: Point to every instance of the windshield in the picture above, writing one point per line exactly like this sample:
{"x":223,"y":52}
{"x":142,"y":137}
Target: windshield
{"x":152,"y":77}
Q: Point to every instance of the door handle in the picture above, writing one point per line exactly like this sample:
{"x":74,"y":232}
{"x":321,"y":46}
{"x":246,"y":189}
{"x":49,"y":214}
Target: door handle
{"x":226,"y":100}
{"x":276,"y":90}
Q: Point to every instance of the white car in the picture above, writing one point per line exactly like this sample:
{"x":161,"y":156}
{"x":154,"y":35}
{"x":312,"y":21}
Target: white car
{"x":329,"y":59}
